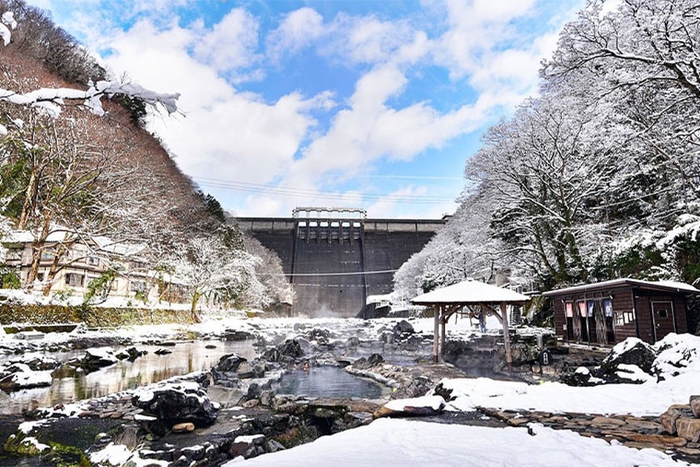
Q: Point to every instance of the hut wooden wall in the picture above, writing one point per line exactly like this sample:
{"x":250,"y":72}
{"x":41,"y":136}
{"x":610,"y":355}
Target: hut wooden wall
{"x":632,"y":309}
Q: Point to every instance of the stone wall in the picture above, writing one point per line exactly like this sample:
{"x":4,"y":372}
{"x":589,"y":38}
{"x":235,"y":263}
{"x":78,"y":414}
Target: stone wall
{"x":14,"y":316}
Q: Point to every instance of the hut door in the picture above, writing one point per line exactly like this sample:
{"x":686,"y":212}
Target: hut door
{"x":664,"y":322}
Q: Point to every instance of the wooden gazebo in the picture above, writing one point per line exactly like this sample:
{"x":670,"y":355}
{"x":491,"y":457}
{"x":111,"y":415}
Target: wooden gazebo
{"x":471,"y":298}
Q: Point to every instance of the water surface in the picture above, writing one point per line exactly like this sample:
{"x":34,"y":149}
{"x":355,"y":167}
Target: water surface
{"x":186,"y":357}
{"x":329,"y":381}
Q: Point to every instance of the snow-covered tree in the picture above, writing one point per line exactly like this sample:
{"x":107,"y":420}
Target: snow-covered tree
{"x":600,"y":176}
{"x":278,"y":290}
{"x":215,"y":271}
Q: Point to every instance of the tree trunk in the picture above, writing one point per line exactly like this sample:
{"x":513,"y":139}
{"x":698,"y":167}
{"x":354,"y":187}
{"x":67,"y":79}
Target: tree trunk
{"x":195,"y":300}
{"x":55,"y":267}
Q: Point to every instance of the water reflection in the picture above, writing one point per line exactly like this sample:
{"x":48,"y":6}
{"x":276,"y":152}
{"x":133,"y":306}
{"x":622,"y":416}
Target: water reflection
{"x":329,"y":381}
{"x":186,"y":357}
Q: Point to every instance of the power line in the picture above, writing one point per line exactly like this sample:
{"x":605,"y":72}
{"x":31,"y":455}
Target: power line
{"x":310,"y":193}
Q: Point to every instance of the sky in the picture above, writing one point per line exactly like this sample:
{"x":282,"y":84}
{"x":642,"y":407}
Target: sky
{"x":372,"y":104}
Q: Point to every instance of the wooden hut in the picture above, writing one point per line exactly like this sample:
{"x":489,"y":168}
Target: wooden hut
{"x":611,"y":311}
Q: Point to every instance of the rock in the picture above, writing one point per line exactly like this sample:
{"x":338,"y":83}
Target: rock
{"x":163,"y":352}
{"x":669,"y":418}
{"x":657,"y":439}
{"x":95,"y":359}
{"x":321,"y":336}
{"x":291,"y":348}
{"x":246,"y":370}
{"x":230,"y":362}
{"x":419,"y":406}
{"x":417,"y":387}
{"x":353,"y":341}
{"x":42,"y":363}
{"x":688,"y":428}
{"x":581,"y":376}
{"x":631,"y":351}
{"x":403,"y":329}
{"x":236,"y":335}
{"x":20,"y":376}
{"x":695,"y":405}
{"x":272,"y":355}
{"x":184,"y":427}
{"x":130,"y":354}
{"x":174,"y":403}
{"x":363,"y":363}
{"x":246,"y":446}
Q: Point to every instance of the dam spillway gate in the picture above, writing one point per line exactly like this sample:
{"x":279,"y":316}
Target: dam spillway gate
{"x":336,"y":257}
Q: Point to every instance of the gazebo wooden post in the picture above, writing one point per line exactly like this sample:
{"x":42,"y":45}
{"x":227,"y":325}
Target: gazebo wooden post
{"x":436,"y":333}
{"x":443,"y":325}
{"x":506,"y":335}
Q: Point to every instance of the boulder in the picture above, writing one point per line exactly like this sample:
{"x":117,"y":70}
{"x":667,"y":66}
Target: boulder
{"x":580,"y":376}
{"x":94,"y":359}
{"x":688,"y":428}
{"x":131,"y":354}
{"x":631,"y":351}
{"x":19,"y":376}
{"x":230,"y":363}
{"x":247,"y":446}
{"x":321,"y":336}
{"x":669,"y":418}
{"x":412,"y":407}
{"x":236,"y":335}
{"x":291,"y":348}
{"x":248,"y":370}
{"x":175,"y":403}
{"x":695,"y":405}
{"x":363,"y":363}
{"x":403,"y":329}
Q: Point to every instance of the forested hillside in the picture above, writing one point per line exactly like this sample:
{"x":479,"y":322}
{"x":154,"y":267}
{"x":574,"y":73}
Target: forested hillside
{"x":599,"y":176}
{"x":87,"y":166}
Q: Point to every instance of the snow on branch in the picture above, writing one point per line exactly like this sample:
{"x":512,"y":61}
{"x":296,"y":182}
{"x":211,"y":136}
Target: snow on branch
{"x":7,"y":22}
{"x":52,"y":99}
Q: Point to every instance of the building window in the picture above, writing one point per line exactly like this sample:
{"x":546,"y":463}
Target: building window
{"x":93,"y":261}
{"x":46,"y":255}
{"x":75,"y":280}
{"x":14,"y":254}
{"x":138,"y":286}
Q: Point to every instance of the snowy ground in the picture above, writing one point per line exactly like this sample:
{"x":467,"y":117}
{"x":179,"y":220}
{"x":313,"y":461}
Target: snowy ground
{"x":391,"y":442}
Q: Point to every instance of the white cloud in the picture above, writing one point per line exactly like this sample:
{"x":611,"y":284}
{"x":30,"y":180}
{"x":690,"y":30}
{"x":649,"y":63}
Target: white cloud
{"x":365,"y":40}
{"x":232,"y":135}
{"x":231,"y":44}
{"x":371,"y":130}
{"x":475,"y":28}
{"x":298,"y":30}
{"x":225,"y":134}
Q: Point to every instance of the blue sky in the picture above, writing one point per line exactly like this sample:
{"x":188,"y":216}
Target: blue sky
{"x":336,"y":103}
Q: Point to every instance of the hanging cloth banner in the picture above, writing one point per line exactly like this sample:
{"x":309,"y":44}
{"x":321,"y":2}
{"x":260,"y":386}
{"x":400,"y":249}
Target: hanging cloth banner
{"x":608,"y":308}
{"x":589,"y":305}
{"x":582,"y":309}
{"x":569,"y":310}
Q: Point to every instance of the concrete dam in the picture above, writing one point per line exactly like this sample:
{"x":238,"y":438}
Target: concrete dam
{"x":336,"y":258}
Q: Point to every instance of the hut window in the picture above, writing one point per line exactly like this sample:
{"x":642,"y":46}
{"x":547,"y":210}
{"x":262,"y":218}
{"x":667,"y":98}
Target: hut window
{"x":663,"y":313}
